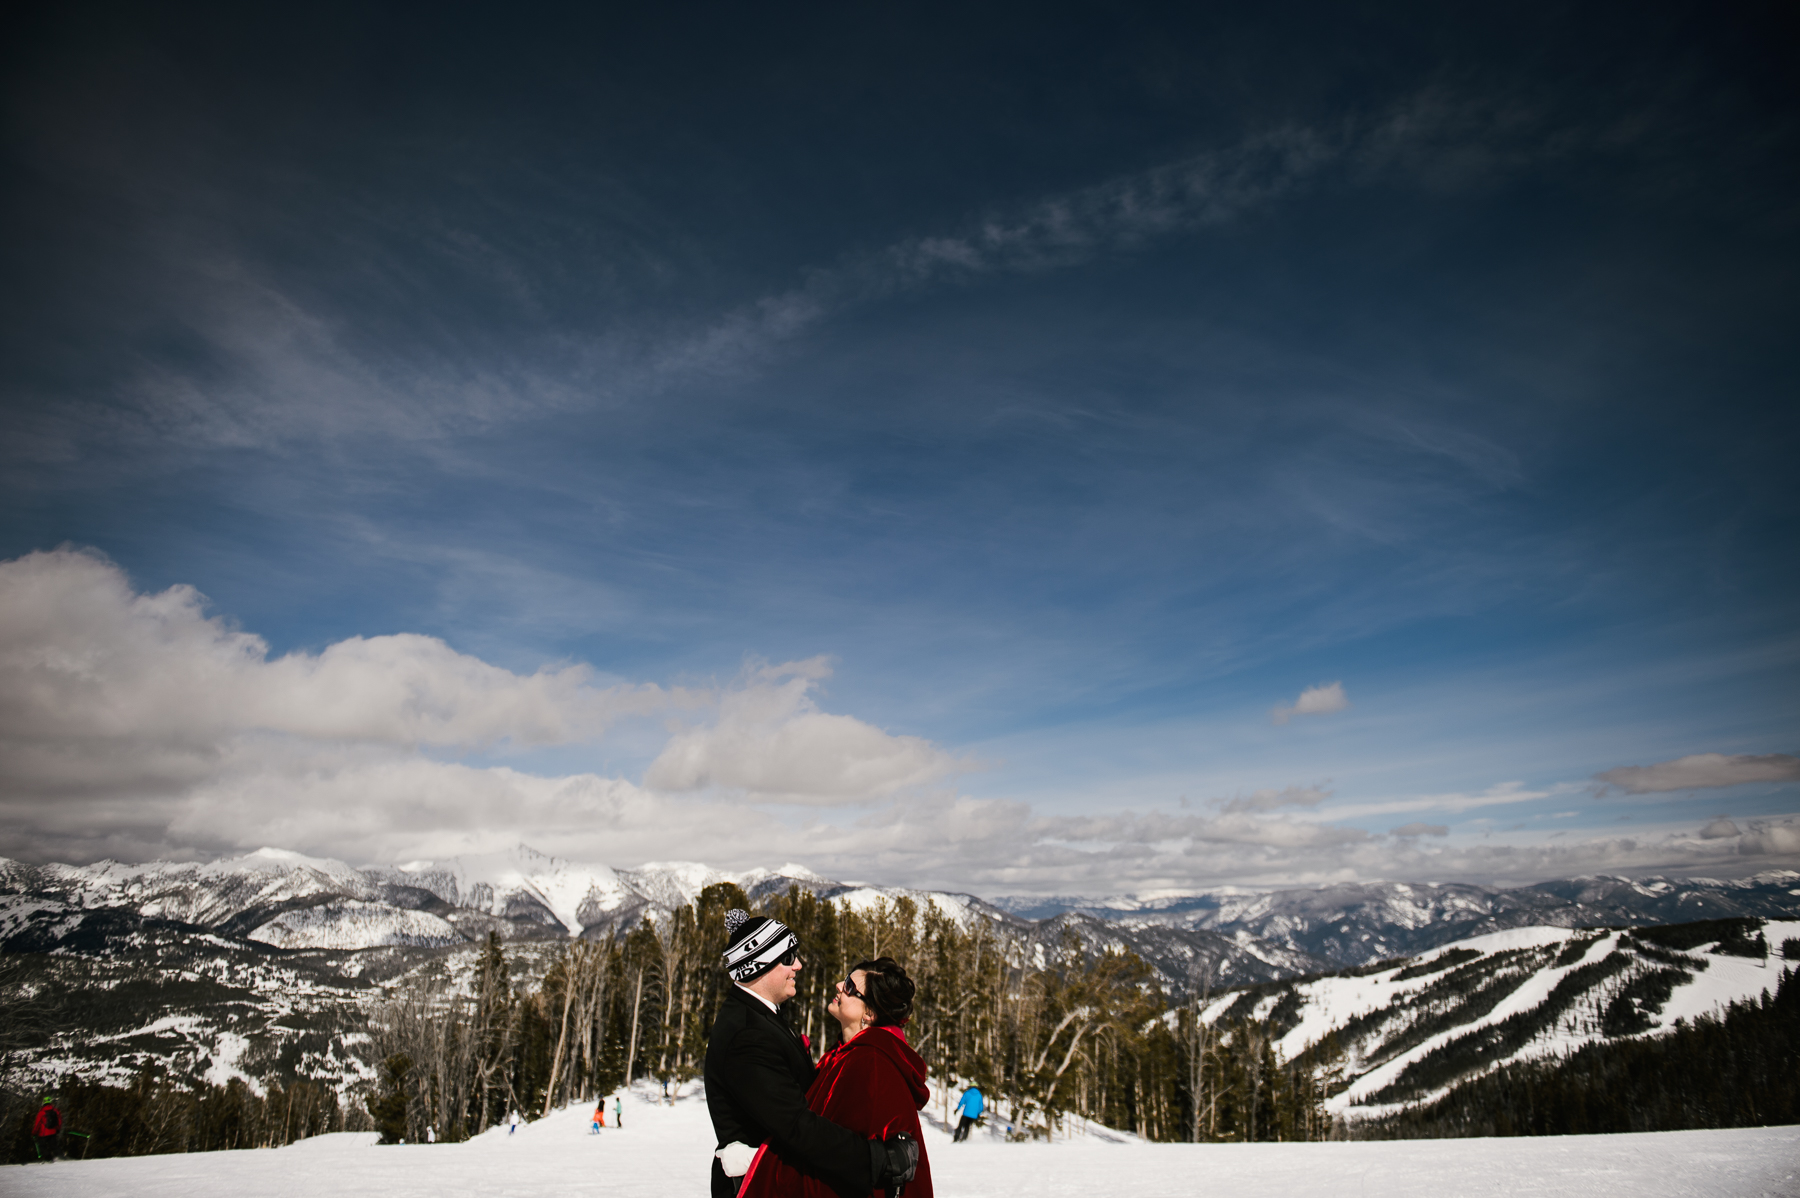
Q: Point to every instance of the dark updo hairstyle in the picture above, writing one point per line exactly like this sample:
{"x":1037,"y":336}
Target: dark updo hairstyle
{"x":887,"y":991}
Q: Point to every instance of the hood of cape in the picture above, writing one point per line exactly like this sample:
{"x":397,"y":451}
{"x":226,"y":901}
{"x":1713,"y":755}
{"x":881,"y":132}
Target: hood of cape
{"x":891,"y":1043}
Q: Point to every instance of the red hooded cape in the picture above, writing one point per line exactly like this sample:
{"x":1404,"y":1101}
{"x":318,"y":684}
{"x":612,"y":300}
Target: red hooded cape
{"x":873,"y":1084}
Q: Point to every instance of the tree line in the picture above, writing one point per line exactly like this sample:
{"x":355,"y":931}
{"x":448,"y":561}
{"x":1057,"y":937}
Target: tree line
{"x":155,"y":1114}
{"x":1049,"y":1036}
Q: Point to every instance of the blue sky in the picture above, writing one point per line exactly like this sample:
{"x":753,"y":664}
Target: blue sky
{"x":1073,"y":388}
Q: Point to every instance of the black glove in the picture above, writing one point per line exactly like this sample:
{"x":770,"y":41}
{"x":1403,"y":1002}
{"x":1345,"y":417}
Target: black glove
{"x":893,"y":1161}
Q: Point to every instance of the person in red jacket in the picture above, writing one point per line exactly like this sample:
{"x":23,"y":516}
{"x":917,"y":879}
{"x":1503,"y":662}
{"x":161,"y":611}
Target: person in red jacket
{"x":873,"y":1083}
{"x":46,"y":1129}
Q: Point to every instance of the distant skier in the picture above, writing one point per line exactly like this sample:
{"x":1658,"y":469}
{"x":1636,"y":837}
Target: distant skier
{"x":618,"y":1110}
{"x":969,"y":1106}
{"x":46,"y":1129}
{"x":598,"y":1119}
{"x":430,"y":1134}
{"x":512,"y":1123}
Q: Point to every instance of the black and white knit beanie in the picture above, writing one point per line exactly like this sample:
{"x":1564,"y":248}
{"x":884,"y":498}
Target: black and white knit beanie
{"x":756,"y":943}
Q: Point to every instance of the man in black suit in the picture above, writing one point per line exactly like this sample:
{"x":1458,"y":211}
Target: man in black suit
{"x":758,"y":1069}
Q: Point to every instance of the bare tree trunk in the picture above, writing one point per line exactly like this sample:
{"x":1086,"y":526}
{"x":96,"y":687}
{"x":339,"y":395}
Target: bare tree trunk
{"x":1197,"y":1045}
{"x":562,"y":1037}
{"x":637,"y":998}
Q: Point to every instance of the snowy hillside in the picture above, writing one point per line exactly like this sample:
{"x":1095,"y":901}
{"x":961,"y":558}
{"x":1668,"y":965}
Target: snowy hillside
{"x":665,"y":1150}
{"x":1413,"y":1029}
{"x":352,"y":924}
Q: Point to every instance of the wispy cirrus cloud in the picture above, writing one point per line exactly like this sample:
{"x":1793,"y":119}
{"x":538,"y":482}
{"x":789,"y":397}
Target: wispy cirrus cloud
{"x":1700,"y":771}
{"x":285,"y":360}
{"x":1455,"y":803}
{"x":1272,"y":799}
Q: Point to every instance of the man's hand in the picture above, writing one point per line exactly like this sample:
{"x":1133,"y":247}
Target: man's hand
{"x":735,"y":1158}
{"x":893,"y":1161}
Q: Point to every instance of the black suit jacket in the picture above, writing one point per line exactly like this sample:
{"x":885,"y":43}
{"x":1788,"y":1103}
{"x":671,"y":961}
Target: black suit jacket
{"x":757,"y":1072}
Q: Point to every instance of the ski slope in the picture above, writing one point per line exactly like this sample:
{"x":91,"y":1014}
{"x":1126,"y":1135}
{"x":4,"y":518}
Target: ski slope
{"x":662,"y":1152}
{"x":1334,"y":1002}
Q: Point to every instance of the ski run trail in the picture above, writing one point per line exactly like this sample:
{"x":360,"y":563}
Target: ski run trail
{"x":663,"y":1152}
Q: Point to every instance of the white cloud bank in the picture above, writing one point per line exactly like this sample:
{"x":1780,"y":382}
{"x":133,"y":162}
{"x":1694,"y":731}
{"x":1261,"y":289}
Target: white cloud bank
{"x":771,"y":741}
{"x":137,"y":726}
{"x":103,"y":688}
{"x":1700,"y":771}
{"x":1322,"y":699}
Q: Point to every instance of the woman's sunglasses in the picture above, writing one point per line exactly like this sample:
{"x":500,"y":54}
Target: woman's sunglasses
{"x":848,"y":985}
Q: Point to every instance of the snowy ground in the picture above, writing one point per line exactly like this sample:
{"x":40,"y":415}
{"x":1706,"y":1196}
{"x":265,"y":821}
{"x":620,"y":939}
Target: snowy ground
{"x":663,"y":1151}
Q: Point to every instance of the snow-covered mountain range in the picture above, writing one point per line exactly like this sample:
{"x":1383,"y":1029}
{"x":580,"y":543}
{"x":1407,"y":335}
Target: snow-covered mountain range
{"x":1357,"y":923}
{"x":1224,"y":938}
{"x":290,"y":901}
{"x":217,"y":970}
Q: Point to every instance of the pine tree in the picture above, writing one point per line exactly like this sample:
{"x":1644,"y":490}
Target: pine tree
{"x":388,"y":1105}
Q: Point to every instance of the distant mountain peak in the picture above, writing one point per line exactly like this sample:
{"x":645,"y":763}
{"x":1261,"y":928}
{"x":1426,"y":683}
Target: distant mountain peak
{"x":287,"y":898}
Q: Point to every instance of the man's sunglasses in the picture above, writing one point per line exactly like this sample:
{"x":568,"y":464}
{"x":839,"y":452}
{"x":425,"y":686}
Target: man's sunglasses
{"x":791,"y":957}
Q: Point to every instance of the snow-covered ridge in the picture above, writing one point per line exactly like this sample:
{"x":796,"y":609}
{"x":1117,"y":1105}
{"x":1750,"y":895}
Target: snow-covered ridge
{"x":1552,"y":990}
{"x":1362,"y":922}
{"x":353,"y":924}
{"x":523,"y":883}
{"x":213,"y":892}
{"x":293,"y":901}
{"x":1233,"y":934}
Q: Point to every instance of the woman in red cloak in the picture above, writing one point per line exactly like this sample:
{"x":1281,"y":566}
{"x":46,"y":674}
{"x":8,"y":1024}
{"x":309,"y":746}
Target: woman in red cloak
{"x":873,"y":1083}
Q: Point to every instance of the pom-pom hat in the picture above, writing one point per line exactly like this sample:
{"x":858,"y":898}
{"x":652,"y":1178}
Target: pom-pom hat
{"x":757,"y":944}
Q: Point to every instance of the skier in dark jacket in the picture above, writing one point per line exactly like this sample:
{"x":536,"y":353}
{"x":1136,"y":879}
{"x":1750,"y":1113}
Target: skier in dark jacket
{"x":758,"y":1069}
{"x":46,"y":1129}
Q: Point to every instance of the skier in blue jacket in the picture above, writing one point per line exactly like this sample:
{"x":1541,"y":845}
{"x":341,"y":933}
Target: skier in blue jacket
{"x":969,"y":1106}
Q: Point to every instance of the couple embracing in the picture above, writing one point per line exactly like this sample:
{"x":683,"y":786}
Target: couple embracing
{"x":847,"y":1127}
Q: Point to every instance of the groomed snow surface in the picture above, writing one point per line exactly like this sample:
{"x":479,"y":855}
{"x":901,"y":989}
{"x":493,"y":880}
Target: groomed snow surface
{"x":662,"y":1152}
